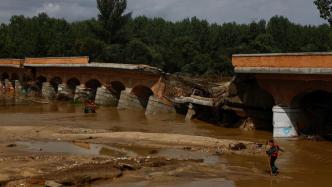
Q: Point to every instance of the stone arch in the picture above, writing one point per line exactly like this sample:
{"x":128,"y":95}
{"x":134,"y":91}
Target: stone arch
{"x":116,"y":87}
{"x":55,"y":82}
{"x":14,"y":77}
{"x":315,"y":112}
{"x":143,"y":94}
{"x":92,"y":85}
{"x":41,"y":79}
{"x":26,"y":77}
{"x":73,"y":83}
{"x":5,"y":76}
{"x":258,"y":102}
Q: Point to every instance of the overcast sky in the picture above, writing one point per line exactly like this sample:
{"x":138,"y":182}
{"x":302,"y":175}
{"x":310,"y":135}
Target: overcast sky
{"x":242,"y":11}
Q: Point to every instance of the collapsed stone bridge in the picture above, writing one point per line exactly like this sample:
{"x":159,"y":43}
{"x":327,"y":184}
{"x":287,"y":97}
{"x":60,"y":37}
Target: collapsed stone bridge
{"x":296,"y":88}
{"x":122,"y":85}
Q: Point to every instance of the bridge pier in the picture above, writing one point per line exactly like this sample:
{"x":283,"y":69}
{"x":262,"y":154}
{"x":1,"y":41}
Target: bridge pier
{"x":80,"y":92}
{"x":65,"y":92}
{"x":285,"y":122}
{"x":48,"y":91}
{"x":130,"y":101}
{"x":18,"y":88}
{"x":157,"y":106}
{"x":8,"y":84}
{"x":191,"y":112}
{"x":104,"y":97}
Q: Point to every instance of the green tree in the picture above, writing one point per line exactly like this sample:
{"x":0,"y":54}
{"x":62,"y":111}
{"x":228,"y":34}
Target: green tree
{"x":325,"y":9}
{"x":112,"y":19}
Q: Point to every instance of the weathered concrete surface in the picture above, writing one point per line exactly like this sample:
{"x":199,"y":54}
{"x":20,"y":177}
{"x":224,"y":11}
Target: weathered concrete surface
{"x":48,"y":91}
{"x":285,"y":122}
{"x":191,"y":112}
{"x":81,"y":93}
{"x":18,"y":88}
{"x":65,"y":92}
{"x":131,"y":101}
{"x":157,"y":106}
{"x":106,"y":98}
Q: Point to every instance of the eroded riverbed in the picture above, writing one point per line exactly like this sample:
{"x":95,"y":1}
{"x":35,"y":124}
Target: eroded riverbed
{"x":38,"y":139}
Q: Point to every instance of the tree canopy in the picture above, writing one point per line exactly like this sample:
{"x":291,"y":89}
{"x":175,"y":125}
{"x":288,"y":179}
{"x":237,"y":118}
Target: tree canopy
{"x":192,"y":46}
{"x":325,"y":9}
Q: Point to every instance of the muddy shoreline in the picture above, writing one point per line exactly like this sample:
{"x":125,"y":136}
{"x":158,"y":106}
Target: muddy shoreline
{"x":76,"y":169}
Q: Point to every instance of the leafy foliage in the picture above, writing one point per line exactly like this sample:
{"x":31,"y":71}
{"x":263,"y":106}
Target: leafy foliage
{"x":325,"y":9}
{"x":190,"y":46}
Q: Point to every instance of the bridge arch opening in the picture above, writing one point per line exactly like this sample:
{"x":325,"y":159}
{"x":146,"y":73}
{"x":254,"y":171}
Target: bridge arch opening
{"x":4,"y":76}
{"x":73,"y":83}
{"x":14,"y":77}
{"x":116,"y":87}
{"x":143,"y":94}
{"x":315,"y":113}
{"x":55,"y":81}
{"x":257,"y":103}
{"x":92,"y":86}
{"x":39,"y":82}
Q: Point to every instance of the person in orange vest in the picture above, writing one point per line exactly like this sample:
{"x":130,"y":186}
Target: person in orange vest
{"x":273,"y":153}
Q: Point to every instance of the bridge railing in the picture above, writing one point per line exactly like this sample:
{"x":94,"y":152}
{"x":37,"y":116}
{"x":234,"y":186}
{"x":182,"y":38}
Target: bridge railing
{"x":58,"y":60}
{"x":283,"y":60}
{"x":12,"y":62}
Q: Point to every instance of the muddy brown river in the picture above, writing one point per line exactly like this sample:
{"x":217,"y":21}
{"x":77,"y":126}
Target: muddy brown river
{"x":304,"y":163}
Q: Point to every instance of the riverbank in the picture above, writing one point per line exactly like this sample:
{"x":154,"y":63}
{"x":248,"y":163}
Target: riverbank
{"x":33,"y":155}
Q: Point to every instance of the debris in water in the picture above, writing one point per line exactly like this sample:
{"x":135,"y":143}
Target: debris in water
{"x":239,"y":146}
{"x":12,"y":145}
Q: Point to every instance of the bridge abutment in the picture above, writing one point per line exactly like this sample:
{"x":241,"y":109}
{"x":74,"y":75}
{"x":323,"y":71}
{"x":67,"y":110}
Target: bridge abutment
{"x":285,"y":122}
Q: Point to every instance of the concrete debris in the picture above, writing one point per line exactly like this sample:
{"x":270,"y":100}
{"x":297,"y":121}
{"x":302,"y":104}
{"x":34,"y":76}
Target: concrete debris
{"x":52,"y":184}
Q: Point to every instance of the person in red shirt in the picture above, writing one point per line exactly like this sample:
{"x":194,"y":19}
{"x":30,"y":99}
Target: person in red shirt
{"x":273,"y":153}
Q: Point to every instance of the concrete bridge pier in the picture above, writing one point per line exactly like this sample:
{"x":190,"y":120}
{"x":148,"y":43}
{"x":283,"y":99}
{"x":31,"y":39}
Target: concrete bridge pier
{"x":285,"y":122}
{"x":64,"y":92}
{"x":18,"y":88}
{"x":2,"y":87}
{"x":80,"y":93}
{"x":191,"y":112}
{"x":157,"y":106}
{"x":130,"y":101}
{"x":48,"y":91}
{"x":104,"y":97}
{"x":8,"y":85}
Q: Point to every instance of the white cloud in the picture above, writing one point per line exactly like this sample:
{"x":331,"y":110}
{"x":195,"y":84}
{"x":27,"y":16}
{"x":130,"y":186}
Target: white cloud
{"x":242,"y":11}
{"x":51,"y":9}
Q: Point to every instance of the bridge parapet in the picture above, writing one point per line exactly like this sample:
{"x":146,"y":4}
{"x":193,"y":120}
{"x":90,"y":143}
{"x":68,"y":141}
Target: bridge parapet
{"x":58,"y":60}
{"x":284,"y":63}
{"x":15,"y":63}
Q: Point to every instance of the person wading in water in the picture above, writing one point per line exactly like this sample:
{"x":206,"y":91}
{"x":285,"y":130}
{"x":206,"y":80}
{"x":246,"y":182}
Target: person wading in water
{"x":273,"y":154}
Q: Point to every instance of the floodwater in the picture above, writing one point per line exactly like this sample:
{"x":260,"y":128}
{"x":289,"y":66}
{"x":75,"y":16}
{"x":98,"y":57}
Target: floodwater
{"x":303,"y":164}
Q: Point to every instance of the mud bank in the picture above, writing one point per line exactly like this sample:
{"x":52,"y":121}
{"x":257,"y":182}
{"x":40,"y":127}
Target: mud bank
{"x":35,"y":155}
